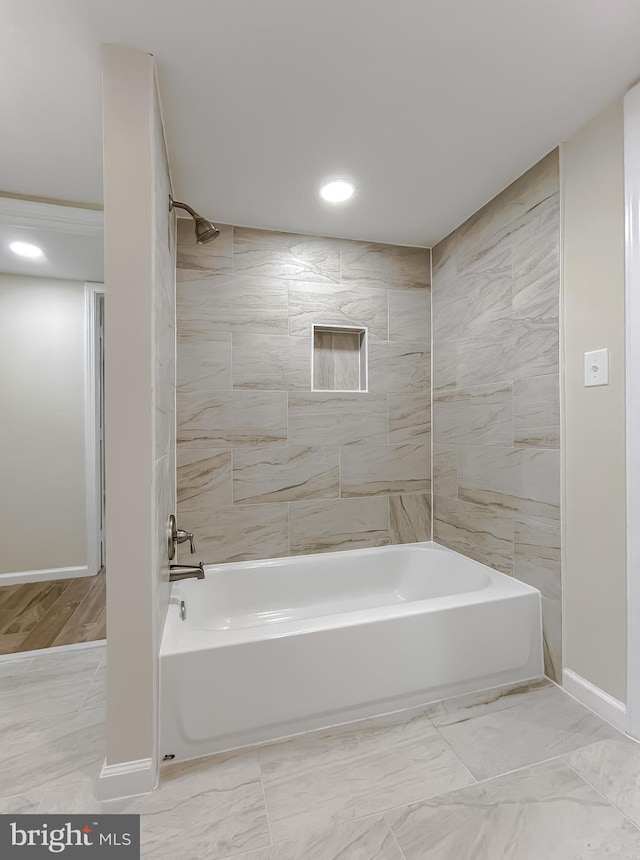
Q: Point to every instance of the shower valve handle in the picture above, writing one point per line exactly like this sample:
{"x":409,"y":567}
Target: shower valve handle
{"x":182,"y":536}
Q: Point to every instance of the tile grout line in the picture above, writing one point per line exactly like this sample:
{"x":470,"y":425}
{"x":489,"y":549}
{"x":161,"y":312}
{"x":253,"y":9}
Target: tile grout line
{"x":609,"y":803}
{"x":90,"y":684}
{"x":394,"y":837}
{"x":264,"y":800}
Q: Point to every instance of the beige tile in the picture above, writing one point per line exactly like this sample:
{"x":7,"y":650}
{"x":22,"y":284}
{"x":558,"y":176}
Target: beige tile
{"x":552,"y":639}
{"x":398,"y":367}
{"x":545,"y":811}
{"x":445,"y":364}
{"x":238,"y":533}
{"x":612,"y":768}
{"x":495,"y":222}
{"x":523,"y":481}
{"x":204,"y":478}
{"x":370,"y":264}
{"x":337,"y":364}
{"x":193,"y":259}
{"x":204,"y":363}
{"x":481,"y":293}
{"x":223,"y":418}
{"x":353,"y":771}
{"x":231,"y":303}
{"x":537,"y":556}
{"x":549,"y":724}
{"x":536,"y":261}
{"x":474,"y":416}
{"x":336,"y":525}
{"x":410,"y":316}
{"x":536,"y":411}
{"x":286,"y":255}
{"x":285,"y":474}
{"x":276,"y":362}
{"x":536,"y":346}
{"x":475,"y":531}
{"x":373,"y":470}
{"x":409,"y":518}
{"x":320,"y":304}
{"x":409,"y":417}
{"x":319,"y":418}
{"x":445,"y":470}
{"x":485,"y":353}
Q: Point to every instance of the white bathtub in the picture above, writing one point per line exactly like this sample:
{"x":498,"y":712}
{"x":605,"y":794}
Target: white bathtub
{"x":273,"y":648}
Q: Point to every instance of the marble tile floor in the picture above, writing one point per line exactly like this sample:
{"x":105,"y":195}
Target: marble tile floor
{"x":520,"y":773}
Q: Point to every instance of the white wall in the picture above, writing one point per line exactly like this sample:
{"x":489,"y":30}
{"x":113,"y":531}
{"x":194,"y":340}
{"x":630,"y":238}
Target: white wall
{"x":139,"y":409}
{"x":42,"y":455}
{"x":594,"y":437}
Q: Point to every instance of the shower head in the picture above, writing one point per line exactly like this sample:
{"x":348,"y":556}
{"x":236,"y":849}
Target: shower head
{"x":205,"y":230}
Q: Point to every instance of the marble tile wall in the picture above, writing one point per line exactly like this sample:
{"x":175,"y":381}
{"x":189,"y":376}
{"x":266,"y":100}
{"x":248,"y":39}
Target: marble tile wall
{"x":267,"y":467}
{"x":496,"y":409}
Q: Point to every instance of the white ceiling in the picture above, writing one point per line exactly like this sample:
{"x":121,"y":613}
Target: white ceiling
{"x":71,"y":240}
{"x":431,"y":106}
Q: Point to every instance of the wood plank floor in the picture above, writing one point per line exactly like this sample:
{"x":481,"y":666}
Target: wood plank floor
{"x":57,"y":612}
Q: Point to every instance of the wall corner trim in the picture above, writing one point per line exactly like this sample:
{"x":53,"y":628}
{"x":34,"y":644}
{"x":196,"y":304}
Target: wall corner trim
{"x":592,"y":697}
{"x":126,"y":779}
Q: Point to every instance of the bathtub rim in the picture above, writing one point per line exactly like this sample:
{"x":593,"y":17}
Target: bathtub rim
{"x":180,"y":638}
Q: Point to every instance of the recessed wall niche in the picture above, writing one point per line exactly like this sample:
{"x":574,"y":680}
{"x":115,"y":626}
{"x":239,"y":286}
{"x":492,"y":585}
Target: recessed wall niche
{"x":339,"y":358}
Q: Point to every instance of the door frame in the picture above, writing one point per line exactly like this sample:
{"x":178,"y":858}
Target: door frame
{"x":632,"y":396}
{"x":93,"y":386}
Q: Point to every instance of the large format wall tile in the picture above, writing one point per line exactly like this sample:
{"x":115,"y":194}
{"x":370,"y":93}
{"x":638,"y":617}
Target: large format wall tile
{"x":337,"y":525}
{"x":475,"y":416}
{"x":221,"y":418}
{"x":536,"y":411}
{"x":410,"y":316}
{"x":231,"y":303}
{"x":237,"y":533}
{"x":258,"y":448}
{"x":445,"y":364}
{"x":396,"y":368}
{"x":285,"y":474}
{"x":537,"y":555}
{"x":474,"y":531}
{"x":371,"y":264}
{"x":319,"y":418}
{"x":320,"y":304}
{"x":409,"y":418}
{"x":552,"y":638}
{"x":373,"y":470}
{"x":536,"y":261}
{"x":276,"y":362}
{"x":286,"y":255}
{"x":522,"y":481}
{"x":445,"y":470}
{"x":215,"y":257}
{"x":496,"y":409}
{"x":481,"y":294}
{"x":204,"y":363}
{"x":410,"y":518}
{"x":204,"y":478}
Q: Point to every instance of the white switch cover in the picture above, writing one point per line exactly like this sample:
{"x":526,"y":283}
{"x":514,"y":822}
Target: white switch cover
{"x":596,"y":367}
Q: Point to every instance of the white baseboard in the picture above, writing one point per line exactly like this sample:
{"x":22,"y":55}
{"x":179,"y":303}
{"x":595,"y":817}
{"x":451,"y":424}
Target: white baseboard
{"x":44,"y":575}
{"x":126,"y":779}
{"x":56,"y":649}
{"x":595,"y":699}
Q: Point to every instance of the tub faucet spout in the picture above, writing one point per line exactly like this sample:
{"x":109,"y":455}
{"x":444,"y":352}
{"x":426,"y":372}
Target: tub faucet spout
{"x":186,"y":571}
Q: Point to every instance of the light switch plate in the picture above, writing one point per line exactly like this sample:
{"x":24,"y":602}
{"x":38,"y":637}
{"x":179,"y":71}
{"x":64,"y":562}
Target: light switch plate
{"x":596,"y":368}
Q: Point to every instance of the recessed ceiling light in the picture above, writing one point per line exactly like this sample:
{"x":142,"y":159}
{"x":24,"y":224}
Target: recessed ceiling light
{"x":25,"y":249}
{"x":337,"y":191}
